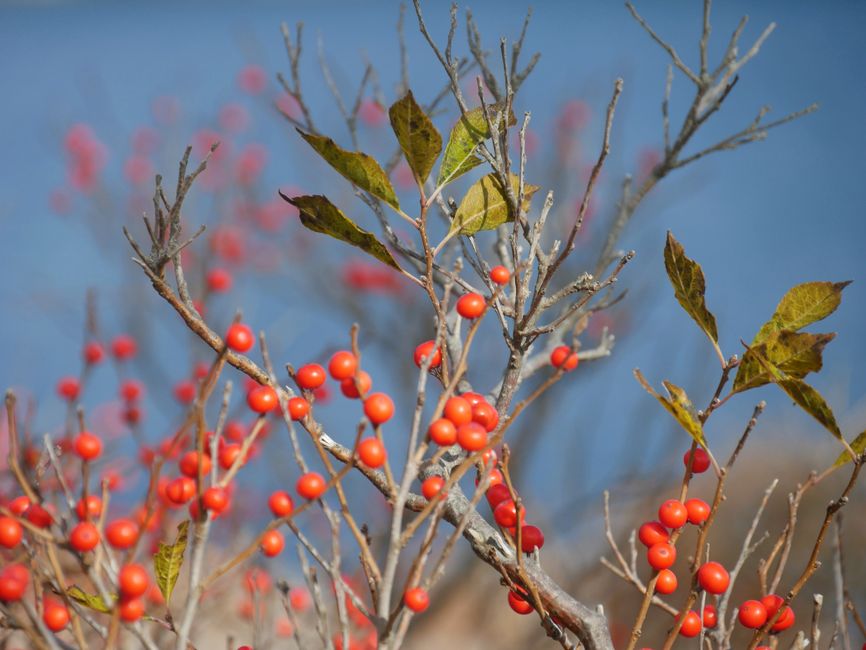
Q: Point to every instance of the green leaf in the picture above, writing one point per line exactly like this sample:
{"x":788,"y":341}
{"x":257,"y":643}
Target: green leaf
{"x":418,"y":138}
{"x":92,"y":601}
{"x":470,"y":131}
{"x":355,"y":166}
{"x":485,"y":205}
{"x":806,"y":397}
{"x":689,"y":287}
{"x":169,"y":559}
{"x":802,"y":305}
{"x":678,"y":405}
{"x":794,"y":353}
{"x":858,"y":446}
{"x":320,"y":215}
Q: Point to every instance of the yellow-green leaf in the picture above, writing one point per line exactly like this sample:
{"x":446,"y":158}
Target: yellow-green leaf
{"x":802,"y":305}
{"x":92,"y":601}
{"x":858,"y":446}
{"x":418,"y":138}
{"x":470,"y":131}
{"x":794,"y":353}
{"x":689,"y":286}
{"x":320,"y":215}
{"x":485,"y":205}
{"x":806,"y":397}
{"x":355,"y":166}
{"x":169,"y":559}
{"x":678,"y":405}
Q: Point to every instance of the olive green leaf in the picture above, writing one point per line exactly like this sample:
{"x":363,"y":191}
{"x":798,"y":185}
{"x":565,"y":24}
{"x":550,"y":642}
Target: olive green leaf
{"x":806,"y":397}
{"x":678,"y":405}
{"x":858,"y":446}
{"x":355,"y":166}
{"x":485,"y":205}
{"x":689,"y":287}
{"x":320,"y":215}
{"x":169,"y":559}
{"x":92,"y":601}
{"x":794,"y":353}
{"x":470,"y":131}
{"x":418,"y":138}
{"x":804,"y":304}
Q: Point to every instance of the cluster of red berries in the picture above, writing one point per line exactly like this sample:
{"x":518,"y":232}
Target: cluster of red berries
{"x":466,"y":420}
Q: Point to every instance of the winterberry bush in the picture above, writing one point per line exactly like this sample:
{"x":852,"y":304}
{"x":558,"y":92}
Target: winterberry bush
{"x":375,"y":513}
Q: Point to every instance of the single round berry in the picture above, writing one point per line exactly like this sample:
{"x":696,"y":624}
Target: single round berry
{"x":379,"y":408}
{"x":713,"y":578}
{"x":429,"y":350}
{"x":474,"y":399}
{"x":19,"y":505}
{"x":240,"y":337}
{"x":772,"y":603}
{"x":219,"y":280}
{"x":342,"y":365}
{"x":442,"y":432}
{"x":691,"y":626}
{"x":131,"y":609}
{"x":471,"y":305}
{"x":55,"y":615}
{"x":68,"y":388}
{"x":215,"y":499}
{"x":372,"y":453}
{"x":698,"y":511}
{"x":673,"y":514}
{"x":184,"y":391}
{"x":752,"y":614}
{"x":91,"y":507}
{"x":458,"y":410}
{"x":710,"y":617}
{"x":701,"y":462}
{"x":39,"y":516}
{"x":189,"y":464}
{"x":123,"y":347}
{"x":496,"y":494}
{"x":93,"y":353}
{"x":432,"y":486}
{"x":272,"y":543}
{"x":472,"y":436}
{"x":416,"y":599}
{"x":310,"y":376}
{"x":505,"y":514}
{"x":133,"y":581}
{"x":262,"y":399}
{"x":485,"y":415}
{"x":666,"y":582}
{"x":84,"y":537}
{"x":229,"y":454}
{"x":518,"y":603}
{"x":281,"y":503}
{"x":131,"y":390}
{"x":180,"y":490}
{"x":350,"y":388}
{"x":661,"y":556}
{"x":13,"y":582}
{"x":88,"y":446}
{"x":563,"y":357}
{"x":652,"y":532}
{"x":298,"y":408}
{"x":11,"y":532}
{"x":500,"y":275}
{"x":311,"y":485}
{"x":531,"y":538}
{"x":121,"y":533}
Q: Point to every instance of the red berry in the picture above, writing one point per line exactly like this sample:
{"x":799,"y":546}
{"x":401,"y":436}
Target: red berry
{"x":691,"y":625}
{"x":84,"y":537}
{"x":131,"y":390}
{"x":55,"y":615}
{"x":416,"y":599}
{"x":752,"y":614}
{"x":272,"y":543}
{"x":133,"y":581}
{"x":310,"y":376}
{"x":281,"y":503}
{"x":471,"y":305}
{"x":372,"y":453}
{"x":93,"y":352}
{"x":474,"y":399}
{"x":88,"y":446}
{"x":240,"y":337}
{"x":215,"y":499}
{"x":496,"y":494}
{"x":131,"y":609}
{"x":68,"y":388}
{"x":38,"y":516}
{"x":229,"y":454}
{"x":711,"y":616}
{"x":350,"y":389}
{"x":485,"y":415}
{"x":652,"y":532}
{"x":180,"y":490}
{"x":518,"y":603}
{"x":531,"y":538}
{"x":673,"y":514}
{"x":505,"y":514}
{"x":379,"y":408}
{"x":189,"y":464}
{"x":563,"y":357}
{"x":425,"y":350}
{"x":698,"y":511}
{"x":701,"y":460}
{"x":472,"y":436}
{"x":432,"y":486}
{"x":661,"y":556}
{"x":184,"y":391}
{"x":666,"y":582}
{"x":13,"y":582}
{"x":219,"y":280}
{"x":311,"y":485}
{"x":442,"y":432}
{"x":298,"y":408}
{"x":713,"y":578}
{"x":19,"y":505}
{"x":121,"y":533}
{"x":11,"y":532}
{"x":458,"y":410}
{"x":262,"y":399}
{"x":89,"y":508}
{"x":772,"y":603}
{"x":123,"y":347}
{"x":500,"y":275}
{"x":342,"y":365}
